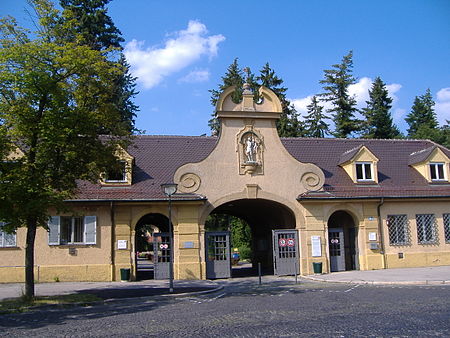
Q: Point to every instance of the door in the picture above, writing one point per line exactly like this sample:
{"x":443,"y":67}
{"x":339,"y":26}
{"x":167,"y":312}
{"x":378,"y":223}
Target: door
{"x":218,"y":262}
{"x":285,"y":252}
{"x":161,"y":255}
{"x":337,"y":249}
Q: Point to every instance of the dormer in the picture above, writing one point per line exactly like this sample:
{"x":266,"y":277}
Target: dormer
{"x":432,"y":163}
{"x":122,"y":173}
{"x":360,"y":164}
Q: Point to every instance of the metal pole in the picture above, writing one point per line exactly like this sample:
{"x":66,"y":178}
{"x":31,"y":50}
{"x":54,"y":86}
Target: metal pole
{"x":170,"y":247}
{"x":259,"y":273}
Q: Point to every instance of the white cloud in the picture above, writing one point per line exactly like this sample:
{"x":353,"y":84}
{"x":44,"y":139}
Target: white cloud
{"x":196,"y":76}
{"x":151,"y":65}
{"x":442,"y":106}
{"x":361,"y":91}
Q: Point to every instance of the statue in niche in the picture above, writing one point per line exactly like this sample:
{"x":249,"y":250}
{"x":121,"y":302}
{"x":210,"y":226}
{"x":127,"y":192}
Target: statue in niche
{"x":252,"y":144}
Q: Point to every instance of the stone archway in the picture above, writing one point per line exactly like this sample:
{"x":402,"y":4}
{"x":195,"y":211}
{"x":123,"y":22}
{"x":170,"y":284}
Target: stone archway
{"x":343,"y":242}
{"x":263,"y":216}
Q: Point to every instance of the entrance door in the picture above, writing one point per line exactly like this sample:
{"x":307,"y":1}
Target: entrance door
{"x":337,"y":249}
{"x":285,"y":252}
{"x":218,"y":262}
{"x":161,"y":254}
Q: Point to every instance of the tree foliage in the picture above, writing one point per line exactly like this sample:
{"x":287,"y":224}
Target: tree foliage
{"x":315,"y":125}
{"x":378,"y":120}
{"x":335,"y":83}
{"x":288,"y":125}
{"x":55,"y":96}
{"x":422,"y":118}
{"x":93,"y":27}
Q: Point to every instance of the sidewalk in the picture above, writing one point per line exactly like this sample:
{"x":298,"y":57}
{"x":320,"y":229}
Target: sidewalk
{"x":113,"y":290}
{"x":428,"y":275}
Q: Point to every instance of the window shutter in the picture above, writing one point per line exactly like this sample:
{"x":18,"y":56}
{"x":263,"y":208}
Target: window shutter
{"x":53,"y":230}
{"x":90,"y":229}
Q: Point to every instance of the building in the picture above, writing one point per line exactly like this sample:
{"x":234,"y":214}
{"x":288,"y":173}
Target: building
{"x":345,"y":203}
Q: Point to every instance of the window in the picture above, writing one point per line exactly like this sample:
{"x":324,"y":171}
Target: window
{"x":72,"y":230}
{"x":117,"y":174}
{"x":437,"y":172}
{"x":398,"y":228}
{"x":6,"y":240}
{"x":364,"y":171}
{"x":446,"y":218}
{"x":426,"y":229}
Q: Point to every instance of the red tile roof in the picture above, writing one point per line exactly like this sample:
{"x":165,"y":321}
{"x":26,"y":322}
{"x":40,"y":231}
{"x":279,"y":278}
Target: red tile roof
{"x":158,"y":157}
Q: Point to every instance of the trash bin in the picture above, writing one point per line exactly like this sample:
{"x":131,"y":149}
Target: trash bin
{"x":125,"y":275}
{"x":317,"y":267}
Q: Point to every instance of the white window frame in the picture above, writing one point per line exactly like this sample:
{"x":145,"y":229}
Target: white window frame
{"x":364,"y":178}
{"x":4,"y":235}
{"x":124,"y":174}
{"x":89,"y":224}
{"x":434,"y":170}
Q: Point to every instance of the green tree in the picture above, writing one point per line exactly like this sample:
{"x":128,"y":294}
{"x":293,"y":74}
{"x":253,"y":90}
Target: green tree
{"x":233,"y":77}
{"x":422,"y":119}
{"x":378,"y":120}
{"x":94,"y":27}
{"x":315,"y":125}
{"x":288,"y":125}
{"x":335,"y":84}
{"x":54,"y":98}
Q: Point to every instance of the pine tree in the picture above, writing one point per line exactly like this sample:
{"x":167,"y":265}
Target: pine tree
{"x":335,"y":83}
{"x":288,"y":125}
{"x":97,"y":30}
{"x":422,"y":119}
{"x":315,"y":125}
{"x":378,"y":120}
{"x":233,"y":77}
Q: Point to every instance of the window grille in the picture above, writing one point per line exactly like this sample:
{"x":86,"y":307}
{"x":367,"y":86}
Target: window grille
{"x":426,"y":229}
{"x":446,"y":218}
{"x":398,"y":227}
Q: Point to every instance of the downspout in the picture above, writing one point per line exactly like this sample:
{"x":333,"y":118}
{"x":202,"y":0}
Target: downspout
{"x":380,"y":231}
{"x":113,"y":236}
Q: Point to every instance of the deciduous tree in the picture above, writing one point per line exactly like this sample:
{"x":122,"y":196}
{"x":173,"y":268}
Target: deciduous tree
{"x":55,"y":96}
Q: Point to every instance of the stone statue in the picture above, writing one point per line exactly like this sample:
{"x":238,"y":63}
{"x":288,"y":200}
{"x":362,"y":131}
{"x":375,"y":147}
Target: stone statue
{"x":251,"y":148}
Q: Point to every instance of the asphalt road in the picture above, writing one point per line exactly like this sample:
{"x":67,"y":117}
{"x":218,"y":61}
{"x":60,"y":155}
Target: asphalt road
{"x":309,"y":309}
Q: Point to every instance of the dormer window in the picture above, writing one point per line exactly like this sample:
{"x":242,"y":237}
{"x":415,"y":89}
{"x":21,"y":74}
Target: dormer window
{"x":437,"y":171}
{"x":364,"y":171}
{"x":117,"y":174}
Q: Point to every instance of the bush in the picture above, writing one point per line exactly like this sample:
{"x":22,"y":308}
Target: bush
{"x":246,"y":252}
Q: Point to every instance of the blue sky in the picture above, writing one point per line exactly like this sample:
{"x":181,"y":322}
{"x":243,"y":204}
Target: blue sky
{"x":180,"y":50}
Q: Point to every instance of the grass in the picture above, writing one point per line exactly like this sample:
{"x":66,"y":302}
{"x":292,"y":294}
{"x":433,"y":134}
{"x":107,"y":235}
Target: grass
{"x":21,"y":304}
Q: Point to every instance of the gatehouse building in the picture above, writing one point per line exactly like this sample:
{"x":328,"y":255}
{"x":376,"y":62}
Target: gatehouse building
{"x":313,"y":205}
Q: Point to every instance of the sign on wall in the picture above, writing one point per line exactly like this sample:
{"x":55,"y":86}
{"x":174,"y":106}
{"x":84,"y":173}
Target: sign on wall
{"x":316,"y":246}
{"x":122,"y":244}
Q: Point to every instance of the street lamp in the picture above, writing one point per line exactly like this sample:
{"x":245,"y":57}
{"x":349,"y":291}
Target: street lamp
{"x":169,"y":189}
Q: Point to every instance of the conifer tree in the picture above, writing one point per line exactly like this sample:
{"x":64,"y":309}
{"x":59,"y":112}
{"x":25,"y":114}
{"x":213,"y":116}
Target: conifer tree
{"x":378,"y":120}
{"x":422,"y":119}
{"x":335,"y":84}
{"x":288,"y":125}
{"x":98,"y":31}
{"x":315,"y":125}
{"x":233,"y":77}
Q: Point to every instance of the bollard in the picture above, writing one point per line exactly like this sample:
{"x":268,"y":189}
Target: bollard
{"x":259,"y":273}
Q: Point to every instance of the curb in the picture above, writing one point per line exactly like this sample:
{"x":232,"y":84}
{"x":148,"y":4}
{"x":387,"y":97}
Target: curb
{"x":426,"y":282}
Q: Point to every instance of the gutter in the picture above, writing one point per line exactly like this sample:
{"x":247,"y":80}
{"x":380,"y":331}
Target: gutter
{"x":138,"y":200}
{"x":380,"y":231}
{"x":368,"y":198}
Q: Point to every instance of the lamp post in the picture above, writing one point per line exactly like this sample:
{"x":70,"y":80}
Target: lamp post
{"x":169,"y":189}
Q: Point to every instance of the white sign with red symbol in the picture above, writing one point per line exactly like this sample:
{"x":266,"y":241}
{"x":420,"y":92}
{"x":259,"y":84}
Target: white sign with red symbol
{"x":164,"y":246}
{"x":334,"y":241}
{"x":283,"y":242}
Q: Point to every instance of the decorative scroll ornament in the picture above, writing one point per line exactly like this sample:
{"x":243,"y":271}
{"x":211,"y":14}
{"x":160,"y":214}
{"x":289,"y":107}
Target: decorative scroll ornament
{"x":189,"y":183}
{"x":311,"y":181}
